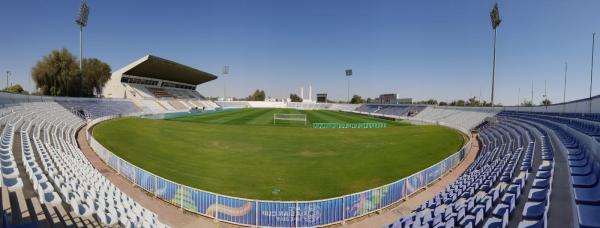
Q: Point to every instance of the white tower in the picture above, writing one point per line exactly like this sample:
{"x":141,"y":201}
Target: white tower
{"x":302,"y":93}
{"x":309,"y":92}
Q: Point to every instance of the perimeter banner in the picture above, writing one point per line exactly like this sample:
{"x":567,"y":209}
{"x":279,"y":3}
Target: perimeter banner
{"x":277,"y":214}
{"x":415,"y":182}
{"x":348,"y":125}
{"x":320,"y":213}
{"x":234,"y":210}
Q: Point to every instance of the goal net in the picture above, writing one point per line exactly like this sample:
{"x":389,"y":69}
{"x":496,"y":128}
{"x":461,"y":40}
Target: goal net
{"x":278,"y":117}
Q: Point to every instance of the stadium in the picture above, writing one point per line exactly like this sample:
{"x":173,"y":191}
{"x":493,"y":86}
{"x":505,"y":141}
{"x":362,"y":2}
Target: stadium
{"x":149,"y":147}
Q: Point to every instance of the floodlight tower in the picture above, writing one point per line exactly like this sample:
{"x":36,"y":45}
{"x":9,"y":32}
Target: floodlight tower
{"x":545,"y":101}
{"x":225,"y":73}
{"x":565,"y":91}
{"x":519,"y":100}
{"x":592,"y":71}
{"x":7,"y":74}
{"x":495,"y":16}
{"x":348,"y":75}
{"x":84,"y":11}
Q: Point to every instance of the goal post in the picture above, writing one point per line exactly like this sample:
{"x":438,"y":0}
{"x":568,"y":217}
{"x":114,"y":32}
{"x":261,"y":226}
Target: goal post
{"x":289,"y":117}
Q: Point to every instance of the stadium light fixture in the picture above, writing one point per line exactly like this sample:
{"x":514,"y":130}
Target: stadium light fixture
{"x":7,"y":74}
{"x":348,"y":75}
{"x":495,"y":17}
{"x":82,"y":19}
{"x":225,"y":72}
{"x":532,"y":96}
{"x":519,"y":100}
{"x":545,"y":95}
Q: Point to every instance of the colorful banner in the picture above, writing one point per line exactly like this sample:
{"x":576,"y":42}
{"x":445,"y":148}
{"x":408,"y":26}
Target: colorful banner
{"x":169,"y":191}
{"x":233,"y":210}
{"x":392,"y":193}
{"x":127,"y":170}
{"x":277,"y":214}
{"x":145,"y":180}
{"x":363,"y":203}
{"x":113,"y":162}
{"x":202,"y":201}
{"x":312,"y":214}
{"x":415,"y":182}
{"x":434,"y":172}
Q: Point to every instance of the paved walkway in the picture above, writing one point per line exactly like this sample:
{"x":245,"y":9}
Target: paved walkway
{"x":175,"y":217}
{"x":390,"y":215}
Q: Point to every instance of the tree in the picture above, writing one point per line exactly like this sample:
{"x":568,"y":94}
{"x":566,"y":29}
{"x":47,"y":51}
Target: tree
{"x":443,"y":103}
{"x":370,"y":100}
{"x":473,"y":102}
{"x":58,"y":74}
{"x":431,"y":102}
{"x":527,"y":103}
{"x":295,"y":98}
{"x":460,"y":103}
{"x":546,"y":102}
{"x":356,"y":99}
{"x":258,"y":95}
{"x":15,"y":89}
{"x":95,"y":74}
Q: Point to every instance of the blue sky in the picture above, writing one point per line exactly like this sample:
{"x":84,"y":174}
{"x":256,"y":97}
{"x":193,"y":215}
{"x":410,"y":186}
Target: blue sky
{"x":419,"y":49}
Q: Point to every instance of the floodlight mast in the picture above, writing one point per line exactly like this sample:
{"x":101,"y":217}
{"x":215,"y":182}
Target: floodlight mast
{"x":225,"y":73}
{"x":495,"y":16}
{"x":348,"y":75}
{"x":7,"y":74}
{"x":84,"y":11}
{"x":565,"y":91}
{"x":592,"y":71}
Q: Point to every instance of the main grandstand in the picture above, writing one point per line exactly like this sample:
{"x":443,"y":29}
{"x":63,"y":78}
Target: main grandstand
{"x":156,"y":85}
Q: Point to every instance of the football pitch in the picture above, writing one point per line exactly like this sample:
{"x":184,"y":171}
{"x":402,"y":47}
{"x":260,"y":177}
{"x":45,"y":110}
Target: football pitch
{"x":242,"y":153}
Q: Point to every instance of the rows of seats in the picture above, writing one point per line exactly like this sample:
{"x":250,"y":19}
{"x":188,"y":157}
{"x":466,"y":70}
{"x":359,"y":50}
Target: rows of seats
{"x":390,"y":110}
{"x":61,"y":185}
{"x":579,"y":115}
{"x":10,"y":172}
{"x":585,"y":123}
{"x":343,"y":107}
{"x":575,"y":133}
{"x":465,"y":118}
{"x":96,"y":108}
{"x":160,"y":92}
{"x":368,"y":108}
{"x":509,"y":182}
{"x":307,"y":106}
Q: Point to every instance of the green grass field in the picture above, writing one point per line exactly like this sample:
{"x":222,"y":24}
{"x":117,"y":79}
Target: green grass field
{"x":241,"y":153}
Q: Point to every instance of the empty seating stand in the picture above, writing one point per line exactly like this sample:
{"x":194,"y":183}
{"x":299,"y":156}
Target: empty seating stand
{"x":46,"y":180}
{"x":512,"y":180}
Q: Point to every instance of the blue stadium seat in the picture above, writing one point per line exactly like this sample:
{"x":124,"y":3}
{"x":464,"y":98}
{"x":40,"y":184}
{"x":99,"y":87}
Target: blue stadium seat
{"x":537,"y":195}
{"x":589,"y":215}
{"x":532,"y":224}
{"x":540,"y":183}
{"x":534,"y":210}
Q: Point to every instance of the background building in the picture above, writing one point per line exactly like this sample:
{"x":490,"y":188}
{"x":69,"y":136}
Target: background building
{"x":393,"y":98}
